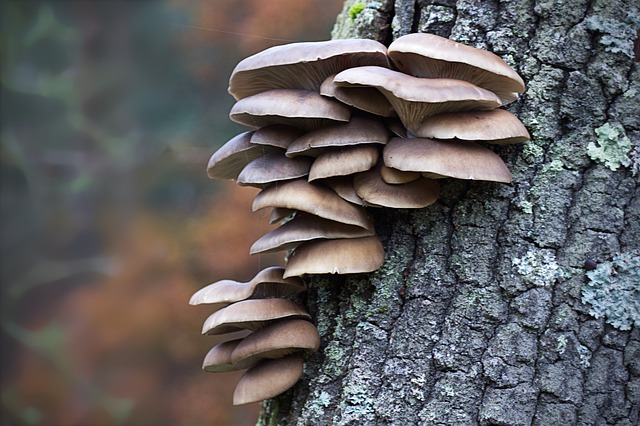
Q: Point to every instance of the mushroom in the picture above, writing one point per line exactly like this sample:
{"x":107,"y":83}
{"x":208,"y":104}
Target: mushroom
{"x":358,"y":131}
{"x":343,"y":186}
{"x":269,"y":378}
{"x":415,"y":99}
{"x":428,"y":55}
{"x":458,"y":159}
{"x":396,"y":177}
{"x":302,"y":65}
{"x":275,"y":341}
{"x":366,"y":99}
{"x":306,"y":227}
{"x":496,"y":126}
{"x":218,"y":359}
{"x":302,"y":109}
{"x":341,"y":256}
{"x":267,"y":283}
{"x":312,"y":198}
{"x":343,"y":161}
{"x":252,"y":315}
{"x":273,"y":167}
{"x":278,"y":135}
{"x":228,"y":161}
{"x":374,"y":191}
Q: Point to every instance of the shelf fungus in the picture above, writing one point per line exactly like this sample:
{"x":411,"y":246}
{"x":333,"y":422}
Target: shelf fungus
{"x":336,"y":127}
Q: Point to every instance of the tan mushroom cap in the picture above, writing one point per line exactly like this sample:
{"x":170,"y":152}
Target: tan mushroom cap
{"x":496,"y":126}
{"x":268,"y":379}
{"x":366,"y":99}
{"x":228,"y":161}
{"x":343,"y":256}
{"x":311,"y":198}
{"x":343,"y":186}
{"x":252,"y":314}
{"x":218,"y":359}
{"x":278,"y":135}
{"x":275,"y":341}
{"x":458,"y":159}
{"x":358,"y":131}
{"x":415,"y":99}
{"x":396,"y":177}
{"x":305,"y":227}
{"x":302,"y":109}
{"x":273,"y":167}
{"x":428,"y":55}
{"x":416,"y":194}
{"x":302,"y":65}
{"x":267,"y":283}
{"x":343,"y":161}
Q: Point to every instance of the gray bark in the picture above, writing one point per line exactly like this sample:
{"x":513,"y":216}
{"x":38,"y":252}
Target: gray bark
{"x":476,"y":316}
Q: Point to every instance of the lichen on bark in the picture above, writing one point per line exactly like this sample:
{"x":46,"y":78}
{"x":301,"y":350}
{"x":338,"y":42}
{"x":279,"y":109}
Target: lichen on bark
{"x":450,"y":331}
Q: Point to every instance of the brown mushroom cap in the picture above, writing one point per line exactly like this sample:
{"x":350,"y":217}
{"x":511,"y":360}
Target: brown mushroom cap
{"x":302,"y":65}
{"x":306,"y":227}
{"x":218,"y":359}
{"x":275,"y":341}
{"x":228,"y":161}
{"x":495,"y":126}
{"x":268,"y":379}
{"x":343,"y":186}
{"x":397,"y":177}
{"x":343,"y":256}
{"x":343,"y":161}
{"x":267,"y":283}
{"x":252,"y":314}
{"x":415,"y":99}
{"x":366,"y":99}
{"x":273,"y":167}
{"x":311,"y":198}
{"x":358,"y":131}
{"x":428,"y":55}
{"x":278,"y":135}
{"x":416,"y":194}
{"x":297,"y":108}
{"x":458,"y":159}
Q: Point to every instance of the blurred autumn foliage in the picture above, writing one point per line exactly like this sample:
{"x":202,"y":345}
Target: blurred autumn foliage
{"x":110,"y":111}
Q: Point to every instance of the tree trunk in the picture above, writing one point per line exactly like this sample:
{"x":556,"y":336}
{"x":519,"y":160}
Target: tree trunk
{"x":476,"y":316}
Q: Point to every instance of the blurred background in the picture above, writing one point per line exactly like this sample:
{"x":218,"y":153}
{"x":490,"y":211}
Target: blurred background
{"x":109,"y":112}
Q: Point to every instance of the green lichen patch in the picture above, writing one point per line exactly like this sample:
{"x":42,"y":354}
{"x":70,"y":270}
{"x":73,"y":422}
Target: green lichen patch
{"x":616,"y":36}
{"x":613,"y":291}
{"x":538,"y":268}
{"x":355,"y":10}
{"x":612,"y":146}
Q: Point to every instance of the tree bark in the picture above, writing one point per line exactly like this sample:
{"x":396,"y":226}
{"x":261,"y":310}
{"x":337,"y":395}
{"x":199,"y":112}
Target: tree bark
{"x":476,"y":315}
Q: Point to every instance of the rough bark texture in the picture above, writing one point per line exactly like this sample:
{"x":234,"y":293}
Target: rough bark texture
{"x":476,"y":316}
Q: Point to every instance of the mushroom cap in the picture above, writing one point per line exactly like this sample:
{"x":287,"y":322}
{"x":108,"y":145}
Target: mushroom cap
{"x":342,"y":256}
{"x":366,"y":99}
{"x":306,"y":227}
{"x":252,"y":315}
{"x":458,"y":159}
{"x":302,"y":109}
{"x":432,"y":56}
{"x":397,"y":177}
{"x":267,"y":283}
{"x":414,"y":98}
{"x":278,"y":135}
{"x":344,"y":161}
{"x":268,"y":379}
{"x":218,"y":359}
{"x":228,"y":161}
{"x":416,"y":194}
{"x":343,"y":186}
{"x":497,"y":126}
{"x":275,"y":341}
{"x":311,"y":198}
{"x":273,"y":167}
{"x":358,"y":131}
{"x":302,"y":65}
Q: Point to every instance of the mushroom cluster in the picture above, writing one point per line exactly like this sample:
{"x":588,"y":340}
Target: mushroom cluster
{"x":341,"y":125}
{"x":274,"y":332}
